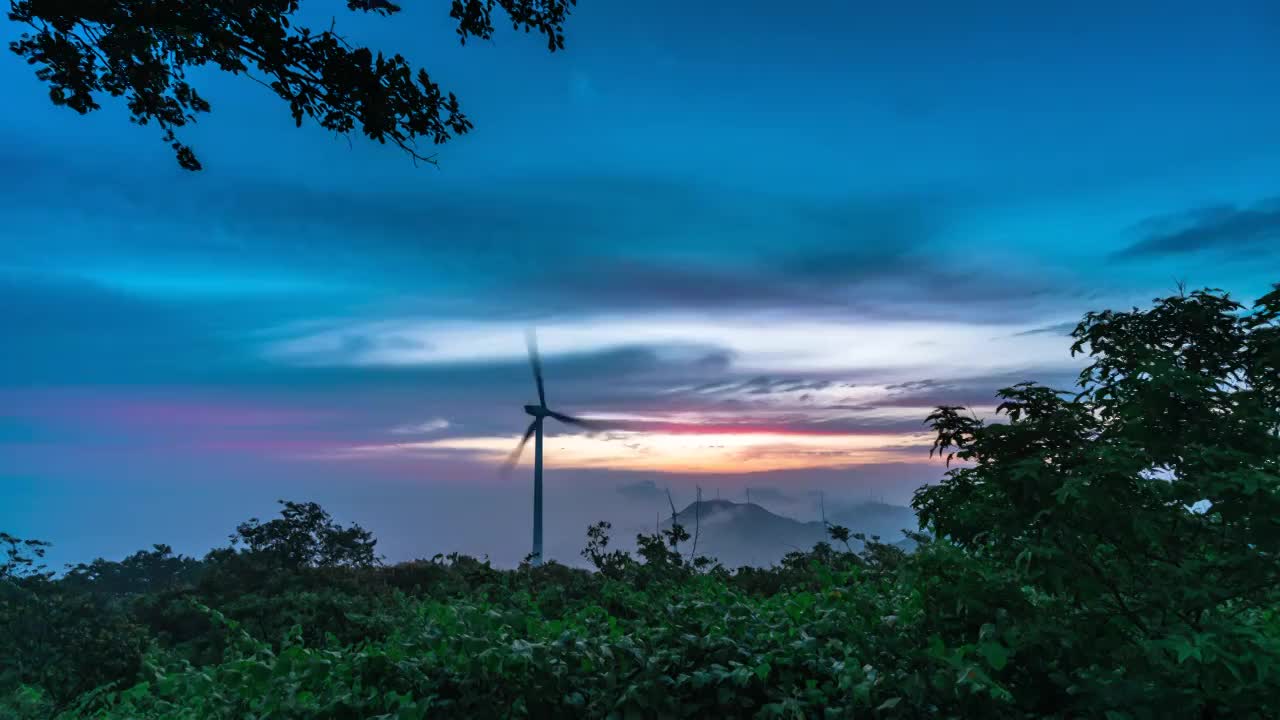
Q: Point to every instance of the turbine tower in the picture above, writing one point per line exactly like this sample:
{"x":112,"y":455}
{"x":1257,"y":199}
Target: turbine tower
{"x":539,"y":412}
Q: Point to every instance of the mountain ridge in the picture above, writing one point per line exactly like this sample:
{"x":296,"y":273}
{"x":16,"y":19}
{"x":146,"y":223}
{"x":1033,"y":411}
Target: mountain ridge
{"x":745,"y":533}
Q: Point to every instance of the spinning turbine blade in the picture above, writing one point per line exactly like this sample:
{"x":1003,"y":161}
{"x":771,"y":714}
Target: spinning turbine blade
{"x":514,"y":457}
{"x":535,"y":361}
{"x":571,"y":420}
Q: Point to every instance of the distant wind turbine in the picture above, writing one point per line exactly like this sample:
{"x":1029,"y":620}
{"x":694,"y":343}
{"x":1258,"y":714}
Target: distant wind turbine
{"x":539,"y":412}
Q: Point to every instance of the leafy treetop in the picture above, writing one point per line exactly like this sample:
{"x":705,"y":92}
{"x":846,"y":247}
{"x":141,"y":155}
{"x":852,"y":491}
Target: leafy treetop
{"x":21,"y":557}
{"x":305,"y":536}
{"x":1148,"y":501}
{"x":141,"y":50}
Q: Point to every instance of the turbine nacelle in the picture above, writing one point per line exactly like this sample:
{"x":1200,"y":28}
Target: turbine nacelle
{"x":537,"y":411}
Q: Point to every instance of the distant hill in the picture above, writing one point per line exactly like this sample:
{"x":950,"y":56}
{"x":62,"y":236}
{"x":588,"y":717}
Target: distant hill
{"x":739,"y":534}
{"x":876,"y":518}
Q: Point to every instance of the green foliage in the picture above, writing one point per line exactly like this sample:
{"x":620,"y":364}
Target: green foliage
{"x":1109,"y":552}
{"x":21,"y":557}
{"x":63,"y":642}
{"x":305,"y":536}
{"x":143,"y":572}
{"x":85,"y":49}
{"x":1144,"y":509}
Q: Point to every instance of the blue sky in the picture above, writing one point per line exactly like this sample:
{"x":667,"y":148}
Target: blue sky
{"x":762,"y":242}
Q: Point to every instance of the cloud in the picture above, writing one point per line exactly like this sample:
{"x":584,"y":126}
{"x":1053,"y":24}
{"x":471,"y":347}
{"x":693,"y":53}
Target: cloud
{"x":146,"y":421}
{"x":770,"y":494}
{"x":671,"y":383}
{"x":625,"y":283}
{"x":552,"y":245}
{"x":1060,"y":329}
{"x":973,"y":391}
{"x":422,"y":428}
{"x":57,"y":329}
{"x":721,"y":451}
{"x":777,"y":341}
{"x":642,"y":490}
{"x":1227,"y":228}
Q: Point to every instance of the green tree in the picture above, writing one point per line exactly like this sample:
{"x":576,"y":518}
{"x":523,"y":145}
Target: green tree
{"x":141,"y":50}
{"x":305,"y":536}
{"x":1134,"y":522}
{"x":145,"y":571}
{"x":22,"y":558}
{"x":55,"y":637}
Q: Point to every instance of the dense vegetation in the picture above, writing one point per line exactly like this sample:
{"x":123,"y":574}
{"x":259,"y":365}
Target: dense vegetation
{"x":1105,"y":553}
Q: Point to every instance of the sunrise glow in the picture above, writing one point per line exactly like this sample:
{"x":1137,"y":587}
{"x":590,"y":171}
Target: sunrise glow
{"x":712,"y":452}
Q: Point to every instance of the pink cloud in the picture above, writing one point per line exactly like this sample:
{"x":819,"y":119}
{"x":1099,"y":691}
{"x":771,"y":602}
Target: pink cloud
{"x":150,"y":407}
{"x":161,"y":421}
{"x":747,"y":427}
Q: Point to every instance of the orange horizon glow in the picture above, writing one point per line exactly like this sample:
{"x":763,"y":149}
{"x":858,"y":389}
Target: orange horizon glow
{"x":707,"y":450}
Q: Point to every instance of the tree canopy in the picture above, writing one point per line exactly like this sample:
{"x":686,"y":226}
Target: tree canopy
{"x":142,"y":50}
{"x":1144,"y":505}
{"x":306,"y":536}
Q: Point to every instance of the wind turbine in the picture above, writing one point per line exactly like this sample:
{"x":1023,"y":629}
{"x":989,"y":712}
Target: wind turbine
{"x":539,"y":412}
